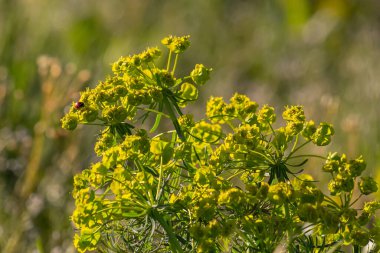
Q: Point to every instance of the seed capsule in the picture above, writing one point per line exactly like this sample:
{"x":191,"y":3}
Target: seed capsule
{"x":79,"y":105}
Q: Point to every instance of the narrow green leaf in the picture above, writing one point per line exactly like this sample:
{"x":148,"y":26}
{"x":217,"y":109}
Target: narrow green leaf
{"x":151,"y":171}
{"x":158,"y":117}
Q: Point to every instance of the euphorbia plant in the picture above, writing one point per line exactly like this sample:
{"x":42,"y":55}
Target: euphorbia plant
{"x":230,"y":182}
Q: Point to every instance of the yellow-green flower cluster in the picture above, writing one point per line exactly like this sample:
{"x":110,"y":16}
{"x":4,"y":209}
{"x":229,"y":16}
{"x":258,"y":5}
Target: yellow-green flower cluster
{"x":295,"y":118}
{"x":209,"y":234}
{"x":176,"y":44}
{"x":280,"y":193}
{"x":206,"y":132}
{"x":232,"y":198}
{"x":200,"y":74}
{"x":231,"y":181}
{"x":240,"y":107}
{"x":306,"y":191}
{"x":105,"y":141}
{"x":266,"y":116}
{"x":186,"y":121}
{"x":247,"y":134}
{"x":137,"y":84}
{"x":345,"y":172}
{"x":367,"y":185}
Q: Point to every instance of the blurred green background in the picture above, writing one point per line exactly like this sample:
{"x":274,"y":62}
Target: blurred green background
{"x":323,"y":54}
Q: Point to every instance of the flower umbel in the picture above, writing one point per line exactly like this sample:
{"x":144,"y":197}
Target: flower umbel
{"x":230,"y":182}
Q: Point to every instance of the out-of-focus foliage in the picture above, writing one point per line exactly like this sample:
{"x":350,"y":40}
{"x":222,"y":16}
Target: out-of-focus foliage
{"x":322,"y":54}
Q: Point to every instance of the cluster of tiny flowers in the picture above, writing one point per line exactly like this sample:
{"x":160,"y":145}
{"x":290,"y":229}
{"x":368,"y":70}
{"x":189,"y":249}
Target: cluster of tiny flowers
{"x":345,"y":172}
{"x":137,"y":85}
{"x":230,"y":182}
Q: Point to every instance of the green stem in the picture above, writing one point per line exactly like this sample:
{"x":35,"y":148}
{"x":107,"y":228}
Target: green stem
{"x":295,"y":150}
{"x":175,"y":63}
{"x":349,"y":198}
{"x":169,"y":60}
{"x":286,"y":207}
{"x":174,"y":119}
{"x":262,"y":155}
{"x":158,"y":118}
{"x":271,"y":128}
{"x":309,"y":155}
{"x":357,"y":249}
{"x":141,"y":168}
{"x":159,"y":182}
{"x":235,"y":174}
{"x":142,"y":210}
{"x":295,"y":143}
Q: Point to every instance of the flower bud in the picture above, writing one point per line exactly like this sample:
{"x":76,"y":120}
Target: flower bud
{"x":135,"y":99}
{"x":231,"y":198}
{"x":186,"y":121}
{"x":280,"y":193}
{"x":206,"y":132}
{"x":356,"y":167}
{"x":120,"y":90}
{"x":188,"y":92}
{"x":176,"y":44}
{"x":332,"y":163}
{"x":309,"y":129}
{"x":371,"y":207}
{"x":150,"y":54}
{"x":215,"y":110}
{"x":344,"y":181}
{"x":266,"y":115}
{"x":367,"y":185}
{"x":69,"y":122}
{"x":322,"y":135}
{"x":166,"y":78}
{"x":115,"y":114}
{"x":105,"y":141}
{"x":89,"y":114}
{"x":334,"y":187}
{"x":293,"y":128}
{"x":200,"y":74}
{"x":294,"y":114}
{"x":243,"y":106}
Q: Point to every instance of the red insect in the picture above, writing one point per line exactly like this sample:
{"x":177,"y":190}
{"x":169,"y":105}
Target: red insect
{"x":79,"y":105}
